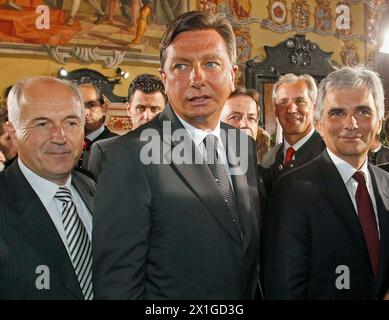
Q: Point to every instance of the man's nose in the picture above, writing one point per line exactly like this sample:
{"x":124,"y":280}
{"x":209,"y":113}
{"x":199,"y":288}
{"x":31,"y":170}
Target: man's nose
{"x":351,"y":122}
{"x":291,"y":107}
{"x":58,"y":134}
{"x":197,"y":77}
{"x":243,"y":122}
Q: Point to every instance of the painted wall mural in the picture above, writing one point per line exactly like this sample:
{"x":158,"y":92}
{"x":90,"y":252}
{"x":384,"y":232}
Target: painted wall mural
{"x":117,"y":31}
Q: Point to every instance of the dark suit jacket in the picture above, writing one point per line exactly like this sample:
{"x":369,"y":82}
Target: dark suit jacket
{"x":272,"y":163}
{"x":84,"y":160}
{"x":163,"y":231}
{"x":98,"y":156}
{"x":29,"y":238}
{"x":380,"y":157}
{"x":311,"y":228}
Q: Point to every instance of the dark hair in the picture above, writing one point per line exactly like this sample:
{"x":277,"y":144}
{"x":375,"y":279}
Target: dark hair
{"x":3,"y":117}
{"x":199,"y":20}
{"x":96,"y":88}
{"x":147,"y":83}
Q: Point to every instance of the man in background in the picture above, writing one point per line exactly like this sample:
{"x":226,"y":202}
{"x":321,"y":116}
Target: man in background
{"x":326,"y":229}
{"x":294,"y":105}
{"x":7,"y":147}
{"x":146,"y":99}
{"x":95,"y":112}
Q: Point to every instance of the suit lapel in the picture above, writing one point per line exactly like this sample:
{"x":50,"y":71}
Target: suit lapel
{"x":198,"y":176}
{"x":36,"y":226}
{"x":337,"y":195}
{"x":381,"y":192}
{"x":241,"y":188}
{"x":84,"y":192}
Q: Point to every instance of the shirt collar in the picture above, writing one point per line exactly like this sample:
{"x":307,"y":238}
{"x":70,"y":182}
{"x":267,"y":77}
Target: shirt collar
{"x":377,"y":149}
{"x":197,"y":134}
{"x":93,"y":135}
{"x":345,"y":169}
{"x":45,"y":189}
{"x":299,"y":143}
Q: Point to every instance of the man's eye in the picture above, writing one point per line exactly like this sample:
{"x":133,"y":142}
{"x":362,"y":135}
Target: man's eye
{"x":252,"y":119}
{"x":336,"y":114}
{"x":235,"y":117}
{"x":363,"y":113}
{"x":180,"y":66}
{"x":301,"y":102}
{"x":42,"y":124}
{"x":140,"y":109}
{"x":212,"y":65}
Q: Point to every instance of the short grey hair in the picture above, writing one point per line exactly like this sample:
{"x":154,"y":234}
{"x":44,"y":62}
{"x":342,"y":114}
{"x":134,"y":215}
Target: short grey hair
{"x":291,"y":78}
{"x":358,"y":77}
{"x":16,"y":98}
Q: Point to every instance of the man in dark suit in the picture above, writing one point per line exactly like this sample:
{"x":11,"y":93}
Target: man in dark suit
{"x":45,"y":208}
{"x":146,"y":99}
{"x":6,"y":146}
{"x":378,"y":154}
{"x":95,"y":112}
{"x":167,"y":224}
{"x":326,"y":230}
{"x":294,"y":105}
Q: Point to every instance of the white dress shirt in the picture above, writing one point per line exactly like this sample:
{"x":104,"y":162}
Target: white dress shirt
{"x":198,"y":136}
{"x":93,"y":135}
{"x":346,"y":171}
{"x":297,"y":145}
{"x":46,"y":191}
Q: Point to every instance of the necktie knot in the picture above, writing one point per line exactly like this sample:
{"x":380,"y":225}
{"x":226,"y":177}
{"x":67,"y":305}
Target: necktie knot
{"x":63,"y":194}
{"x":359,"y":177}
{"x":289,"y":155}
{"x":211,"y":143}
{"x":87,"y":143}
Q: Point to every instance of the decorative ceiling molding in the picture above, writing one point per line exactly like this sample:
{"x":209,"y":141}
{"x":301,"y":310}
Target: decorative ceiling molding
{"x":81,"y":54}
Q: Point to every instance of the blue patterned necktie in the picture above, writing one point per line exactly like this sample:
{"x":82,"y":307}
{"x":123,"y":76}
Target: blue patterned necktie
{"x":79,"y":245}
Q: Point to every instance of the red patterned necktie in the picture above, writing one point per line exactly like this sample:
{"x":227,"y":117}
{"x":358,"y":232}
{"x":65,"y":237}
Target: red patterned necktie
{"x":289,"y":155}
{"x":367,"y":220}
{"x":87,"y":144}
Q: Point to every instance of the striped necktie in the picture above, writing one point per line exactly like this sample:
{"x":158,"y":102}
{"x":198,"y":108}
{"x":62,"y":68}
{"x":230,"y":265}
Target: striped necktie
{"x":79,"y":245}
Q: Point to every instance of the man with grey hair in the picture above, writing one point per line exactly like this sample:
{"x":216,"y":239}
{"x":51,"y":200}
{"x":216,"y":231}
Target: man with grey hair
{"x":294,"y":100}
{"x":45,"y":207}
{"x":326,"y":229}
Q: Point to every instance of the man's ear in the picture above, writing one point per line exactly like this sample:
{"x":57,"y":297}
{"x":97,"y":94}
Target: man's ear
{"x":128,"y":109}
{"x":12,"y":132}
{"x":233,"y":74}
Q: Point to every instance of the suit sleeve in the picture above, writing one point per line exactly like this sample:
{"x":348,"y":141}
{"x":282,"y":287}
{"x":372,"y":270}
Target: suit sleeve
{"x":286,"y":243}
{"x":96,"y":158}
{"x":121,"y":226}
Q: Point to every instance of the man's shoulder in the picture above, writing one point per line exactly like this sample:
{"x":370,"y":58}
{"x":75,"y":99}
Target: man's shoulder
{"x":269,"y":158}
{"x":311,"y":171}
{"x":104,"y":143}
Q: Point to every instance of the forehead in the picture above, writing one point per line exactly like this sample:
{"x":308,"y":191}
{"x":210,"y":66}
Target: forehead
{"x":242,"y":104}
{"x":197,"y":43}
{"x":88,"y":93}
{"x":155,"y":98}
{"x":349,"y":98}
{"x":299,"y":88}
{"x":47,"y":98}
